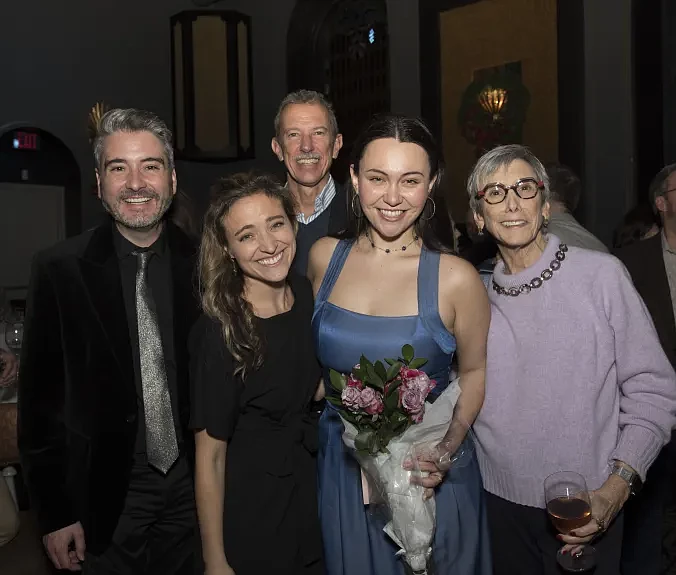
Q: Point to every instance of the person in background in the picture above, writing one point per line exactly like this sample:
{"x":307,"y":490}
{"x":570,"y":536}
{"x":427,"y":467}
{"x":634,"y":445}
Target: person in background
{"x":307,"y":141}
{"x":640,"y":223}
{"x":480,"y":250}
{"x":103,"y":387}
{"x":253,"y":373}
{"x":576,"y":379}
{"x":565,"y":191}
{"x":652,"y":266}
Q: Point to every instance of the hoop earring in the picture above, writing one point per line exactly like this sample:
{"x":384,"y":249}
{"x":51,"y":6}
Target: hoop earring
{"x":434,"y":209}
{"x":354,"y":211}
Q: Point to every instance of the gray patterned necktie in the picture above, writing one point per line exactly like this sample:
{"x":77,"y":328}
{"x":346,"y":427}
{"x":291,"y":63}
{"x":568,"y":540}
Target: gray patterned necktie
{"x":161,"y":444}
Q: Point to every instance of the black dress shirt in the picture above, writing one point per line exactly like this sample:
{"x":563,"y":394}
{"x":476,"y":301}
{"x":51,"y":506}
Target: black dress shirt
{"x":161,"y":284}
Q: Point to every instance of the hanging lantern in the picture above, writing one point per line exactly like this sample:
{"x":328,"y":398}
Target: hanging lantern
{"x":493,"y":100}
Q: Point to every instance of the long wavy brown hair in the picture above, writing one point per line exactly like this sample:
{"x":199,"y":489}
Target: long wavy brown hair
{"x":222,"y":282}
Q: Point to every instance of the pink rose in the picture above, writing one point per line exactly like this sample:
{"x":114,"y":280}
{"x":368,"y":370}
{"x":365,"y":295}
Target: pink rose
{"x":408,"y":373}
{"x":350,"y":398}
{"x":354,"y":382}
{"x":413,"y":391}
{"x":376,"y":406}
{"x":413,"y":402}
{"x":366,"y":397}
{"x":418,"y":379}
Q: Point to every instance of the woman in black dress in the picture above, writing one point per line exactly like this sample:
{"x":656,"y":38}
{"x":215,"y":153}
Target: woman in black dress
{"x":254,"y":373}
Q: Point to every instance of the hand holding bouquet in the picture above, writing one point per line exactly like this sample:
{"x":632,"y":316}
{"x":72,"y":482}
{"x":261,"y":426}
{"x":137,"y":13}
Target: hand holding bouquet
{"x":388,"y":424}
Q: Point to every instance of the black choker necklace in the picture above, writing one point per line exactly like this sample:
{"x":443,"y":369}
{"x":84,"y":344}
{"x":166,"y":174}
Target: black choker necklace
{"x":535,"y":283}
{"x":388,"y":250}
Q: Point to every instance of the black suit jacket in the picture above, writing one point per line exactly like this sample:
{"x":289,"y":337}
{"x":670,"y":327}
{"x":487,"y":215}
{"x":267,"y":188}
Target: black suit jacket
{"x":77,"y":396}
{"x":645,"y":263}
{"x":338,"y":218}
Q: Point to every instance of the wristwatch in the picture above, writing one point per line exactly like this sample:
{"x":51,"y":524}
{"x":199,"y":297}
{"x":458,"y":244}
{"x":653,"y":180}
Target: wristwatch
{"x":631,"y":477}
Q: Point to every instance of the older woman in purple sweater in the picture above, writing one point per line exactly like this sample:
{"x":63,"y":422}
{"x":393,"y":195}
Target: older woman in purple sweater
{"x":576,"y":379}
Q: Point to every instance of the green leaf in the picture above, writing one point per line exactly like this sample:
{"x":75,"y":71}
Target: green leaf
{"x":363,"y":440}
{"x":380,"y":370}
{"x":391,"y":400}
{"x":364,"y":362}
{"x":390,"y":361}
{"x":399,"y":417}
{"x":393,"y":387}
{"x":407,"y":353}
{"x":373,"y":378}
{"x":337,"y":380}
{"x":393,"y":370}
{"x":417,"y":362}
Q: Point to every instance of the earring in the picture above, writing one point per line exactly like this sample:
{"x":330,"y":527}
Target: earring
{"x":354,"y":210}
{"x":233,"y":261}
{"x":434,"y":209}
{"x":480,"y":231}
{"x":545,"y":222}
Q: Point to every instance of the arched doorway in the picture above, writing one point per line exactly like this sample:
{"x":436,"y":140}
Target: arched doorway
{"x":341,"y":48}
{"x":39,"y":199}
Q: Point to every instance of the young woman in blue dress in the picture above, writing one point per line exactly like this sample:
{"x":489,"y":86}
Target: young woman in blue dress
{"x":387,"y":283}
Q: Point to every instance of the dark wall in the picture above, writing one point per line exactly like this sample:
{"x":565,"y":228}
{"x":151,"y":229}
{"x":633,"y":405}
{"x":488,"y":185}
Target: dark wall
{"x":669,"y":79}
{"x":60,"y":58}
{"x":648,"y":93}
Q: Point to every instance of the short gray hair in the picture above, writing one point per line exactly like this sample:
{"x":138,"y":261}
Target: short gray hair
{"x":658,"y":186}
{"x":132,"y":120}
{"x":500,"y":157}
{"x":306,"y":97}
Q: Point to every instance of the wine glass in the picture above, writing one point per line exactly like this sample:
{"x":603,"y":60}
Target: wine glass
{"x":569,"y":508}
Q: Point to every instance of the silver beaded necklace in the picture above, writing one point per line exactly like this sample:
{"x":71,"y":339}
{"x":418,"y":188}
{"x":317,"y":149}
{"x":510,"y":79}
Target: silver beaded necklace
{"x":536,"y":282}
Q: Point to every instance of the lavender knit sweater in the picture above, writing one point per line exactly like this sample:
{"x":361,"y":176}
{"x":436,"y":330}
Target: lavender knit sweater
{"x":575,"y":378}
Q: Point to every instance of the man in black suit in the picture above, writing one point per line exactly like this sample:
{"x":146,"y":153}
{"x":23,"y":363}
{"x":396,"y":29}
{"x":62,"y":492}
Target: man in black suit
{"x":652,"y":265}
{"x":307,"y":141}
{"x":103,"y":390}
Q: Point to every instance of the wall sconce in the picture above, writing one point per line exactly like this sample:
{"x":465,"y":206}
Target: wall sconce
{"x":492,"y":100}
{"x":212,"y":86}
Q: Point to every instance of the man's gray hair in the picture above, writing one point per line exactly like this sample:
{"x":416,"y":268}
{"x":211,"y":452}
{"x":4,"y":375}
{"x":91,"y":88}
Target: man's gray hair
{"x":306,"y":97}
{"x":131,"y":120}
{"x":658,"y":186}
{"x":500,"y":157}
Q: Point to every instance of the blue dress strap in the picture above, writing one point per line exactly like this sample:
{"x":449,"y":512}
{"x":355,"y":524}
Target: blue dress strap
{"x":333,"y":270}
{"x":428,"y":300}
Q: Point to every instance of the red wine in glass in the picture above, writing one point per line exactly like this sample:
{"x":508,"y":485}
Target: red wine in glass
{"x":569,"y":508}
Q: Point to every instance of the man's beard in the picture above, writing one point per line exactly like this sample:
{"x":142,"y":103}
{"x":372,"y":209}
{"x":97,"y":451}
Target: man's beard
{"x":139,"y":221}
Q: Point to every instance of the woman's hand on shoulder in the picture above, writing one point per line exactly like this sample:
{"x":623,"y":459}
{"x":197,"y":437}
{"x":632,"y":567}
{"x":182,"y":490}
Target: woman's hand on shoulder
{"x":319,"y":258}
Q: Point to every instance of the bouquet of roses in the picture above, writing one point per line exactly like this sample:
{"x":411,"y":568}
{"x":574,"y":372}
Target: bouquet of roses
{"x":386,"y":421}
